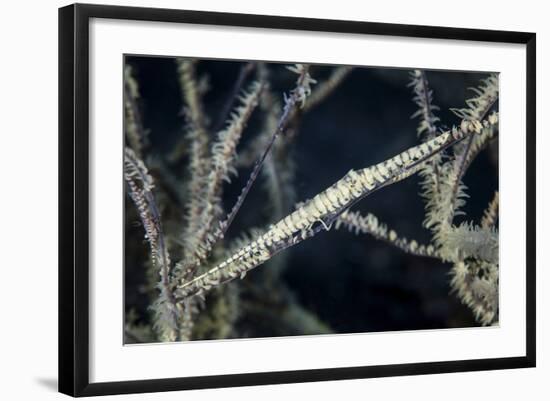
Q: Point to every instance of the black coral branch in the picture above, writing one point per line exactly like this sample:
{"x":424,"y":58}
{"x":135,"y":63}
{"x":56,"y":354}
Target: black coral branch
{"x":140,"y":186}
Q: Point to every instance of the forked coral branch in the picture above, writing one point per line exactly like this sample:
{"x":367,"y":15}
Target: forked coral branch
{"x":297,"y":96}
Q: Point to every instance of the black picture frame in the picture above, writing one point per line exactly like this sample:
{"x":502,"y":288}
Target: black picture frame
{"x":74,"y":198}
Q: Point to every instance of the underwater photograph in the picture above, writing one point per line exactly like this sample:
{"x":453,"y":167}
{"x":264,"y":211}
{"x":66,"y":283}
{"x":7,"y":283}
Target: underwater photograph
{"x":269,"y":199}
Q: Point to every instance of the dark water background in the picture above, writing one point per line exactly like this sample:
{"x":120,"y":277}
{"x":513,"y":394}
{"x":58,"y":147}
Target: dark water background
{"x":354,"y":283}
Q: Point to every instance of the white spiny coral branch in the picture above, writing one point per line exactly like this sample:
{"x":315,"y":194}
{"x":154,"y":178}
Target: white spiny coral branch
{"x":481,"y":104}
{"x":473,"y":116}
{"x":490,"y":215}
{"x":224,"y":148}
{"x":245,"y":70}
{"x":443,"y":206}
{"x":221,"y":167}
{"x":474,"y":250}
{"x":198,"y":154}
{"x":427,"y":129}
{"x":135,"y":133}
{"x":470,"y":241}
{"x":369,"y":224}
{"x":325,"y":88}
{"x":423,"y":97}
{"x":140,"y":186}
{"x":192,"y":90}
{"x":476,"y":284}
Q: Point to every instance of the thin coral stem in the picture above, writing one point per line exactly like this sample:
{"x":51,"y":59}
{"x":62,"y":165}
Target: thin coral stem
{"x":428,"y":122}
{"x":297,"y":95}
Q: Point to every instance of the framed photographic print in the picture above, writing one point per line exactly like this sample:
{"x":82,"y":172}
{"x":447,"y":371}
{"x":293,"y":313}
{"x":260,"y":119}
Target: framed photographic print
{"x":250,"y":199}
